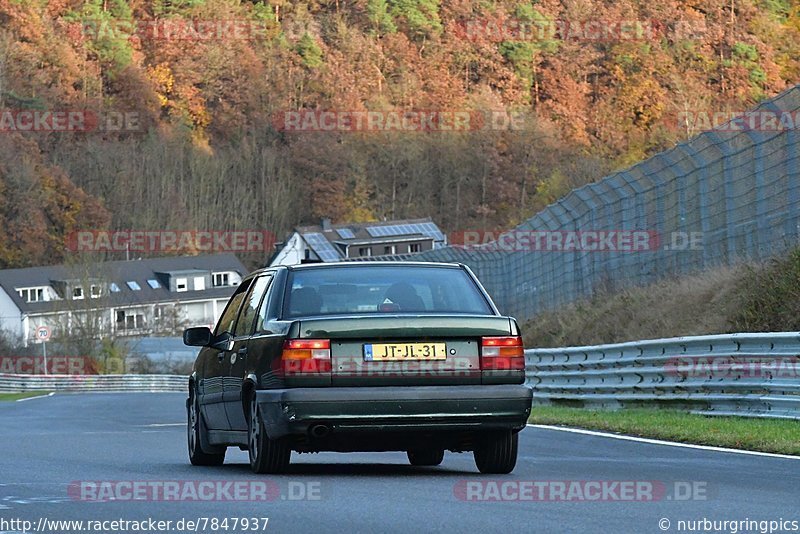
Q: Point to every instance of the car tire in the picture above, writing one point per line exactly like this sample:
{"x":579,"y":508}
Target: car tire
{"x":496,"y":453}
{"x":266,"y":455}
{"x":426,"y":457}
{"x":196,"y":435}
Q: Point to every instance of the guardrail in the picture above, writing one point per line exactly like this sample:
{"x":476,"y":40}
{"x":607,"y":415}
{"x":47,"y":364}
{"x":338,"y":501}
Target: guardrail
{"x":753,"y":375}
{"x":107,"y":383}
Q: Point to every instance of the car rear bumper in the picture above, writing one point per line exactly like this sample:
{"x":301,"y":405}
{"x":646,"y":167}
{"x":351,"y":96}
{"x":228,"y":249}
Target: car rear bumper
{"x":422,"y":408}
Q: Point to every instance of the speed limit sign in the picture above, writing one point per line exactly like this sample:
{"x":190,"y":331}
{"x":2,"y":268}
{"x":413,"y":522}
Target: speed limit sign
{"x":42,"y":334}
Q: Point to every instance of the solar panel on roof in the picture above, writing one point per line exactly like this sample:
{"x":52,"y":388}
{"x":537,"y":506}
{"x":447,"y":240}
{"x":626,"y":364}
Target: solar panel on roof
{"x":345,"y":233}
{"x":428,"y":229}
{"x":322,"y":247}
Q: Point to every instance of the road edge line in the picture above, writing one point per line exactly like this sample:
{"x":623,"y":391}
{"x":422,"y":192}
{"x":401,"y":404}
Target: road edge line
{"x":652,"y":441}
{"x":36,"y":397}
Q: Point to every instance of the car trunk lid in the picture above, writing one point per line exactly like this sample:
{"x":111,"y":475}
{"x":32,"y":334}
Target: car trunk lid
{"x":404,"y":349}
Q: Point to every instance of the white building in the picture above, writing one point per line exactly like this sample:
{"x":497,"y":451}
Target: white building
{"x":336,"y":242}
{"x":123,"y":298}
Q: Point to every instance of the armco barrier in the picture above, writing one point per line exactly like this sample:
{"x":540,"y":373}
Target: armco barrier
{"x":754,"y":375}
{"x":94,"y":383}
{"x":751,"y":374}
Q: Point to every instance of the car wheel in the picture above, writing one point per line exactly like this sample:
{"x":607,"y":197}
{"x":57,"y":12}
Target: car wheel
{"x":426,"y":457}
{"x":195,"y":433}
{"x":496,"y":453}
{"x":266,"y":455}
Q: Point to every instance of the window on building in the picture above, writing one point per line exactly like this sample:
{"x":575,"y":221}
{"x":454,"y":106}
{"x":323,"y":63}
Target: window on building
{"x":31,"y":294}
{"x":114,"y":287}
{"x":389,"y":249}
{"x":95,"y":291}
{"x":129,"y":320}
{"x":199,"y":283}
{"x":133,"y":285}
{"x":365,"y":251}
{"x":153,"y":283}
{"x":220,"y":279}
{"x":180,"y":284}
{"x":133,"y":322}
{"x":414,"y":247}
{"x":77,"y":293}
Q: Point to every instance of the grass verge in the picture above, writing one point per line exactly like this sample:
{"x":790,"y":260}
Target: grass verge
{"x":765,"y":435}
{"x":17,"y":396}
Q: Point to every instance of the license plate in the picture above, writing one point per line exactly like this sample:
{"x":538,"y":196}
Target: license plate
{"x":378,"y":352}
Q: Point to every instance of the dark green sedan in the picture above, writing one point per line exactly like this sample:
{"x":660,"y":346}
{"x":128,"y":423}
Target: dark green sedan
{"x":361,"y":356}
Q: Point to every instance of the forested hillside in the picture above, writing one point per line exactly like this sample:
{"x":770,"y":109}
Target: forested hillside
{"x":203,"y":149}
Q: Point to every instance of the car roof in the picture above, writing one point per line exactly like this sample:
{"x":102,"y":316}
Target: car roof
{"x":350,"y":264}
{"x":353,"y":264}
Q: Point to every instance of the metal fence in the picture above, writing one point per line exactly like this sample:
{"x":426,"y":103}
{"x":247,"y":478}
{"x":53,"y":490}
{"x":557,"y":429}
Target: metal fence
{"x":94,"y":383}
{"x":755,"y":375}
{"x":739,"y":189}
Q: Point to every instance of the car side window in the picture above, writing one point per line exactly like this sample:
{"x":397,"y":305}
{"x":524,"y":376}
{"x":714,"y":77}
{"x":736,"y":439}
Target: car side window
{"x":244,"y":326}
{"x":228,"y":319}
{"x":263,"y":309}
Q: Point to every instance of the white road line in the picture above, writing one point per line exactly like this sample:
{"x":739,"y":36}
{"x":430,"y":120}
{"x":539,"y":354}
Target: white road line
{"x":661,"y":442}
{"x":36,"y":397}
{"x":164,"y":424}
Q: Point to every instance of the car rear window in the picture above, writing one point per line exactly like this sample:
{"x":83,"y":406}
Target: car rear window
{"x":373,"y":289}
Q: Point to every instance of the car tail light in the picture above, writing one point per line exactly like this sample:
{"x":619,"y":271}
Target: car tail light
{"x":502,"y":353}
{"x":302,"y":356}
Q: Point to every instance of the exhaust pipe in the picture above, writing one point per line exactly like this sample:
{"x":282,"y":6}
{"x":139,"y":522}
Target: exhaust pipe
{"x":319,"y":431}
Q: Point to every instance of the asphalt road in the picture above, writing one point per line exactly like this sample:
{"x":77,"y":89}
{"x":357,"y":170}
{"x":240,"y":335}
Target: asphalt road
{"x":51,"y":446}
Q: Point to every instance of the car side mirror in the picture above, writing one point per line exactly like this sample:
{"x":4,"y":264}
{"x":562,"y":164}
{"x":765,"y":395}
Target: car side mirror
{"x":200,"y":336}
